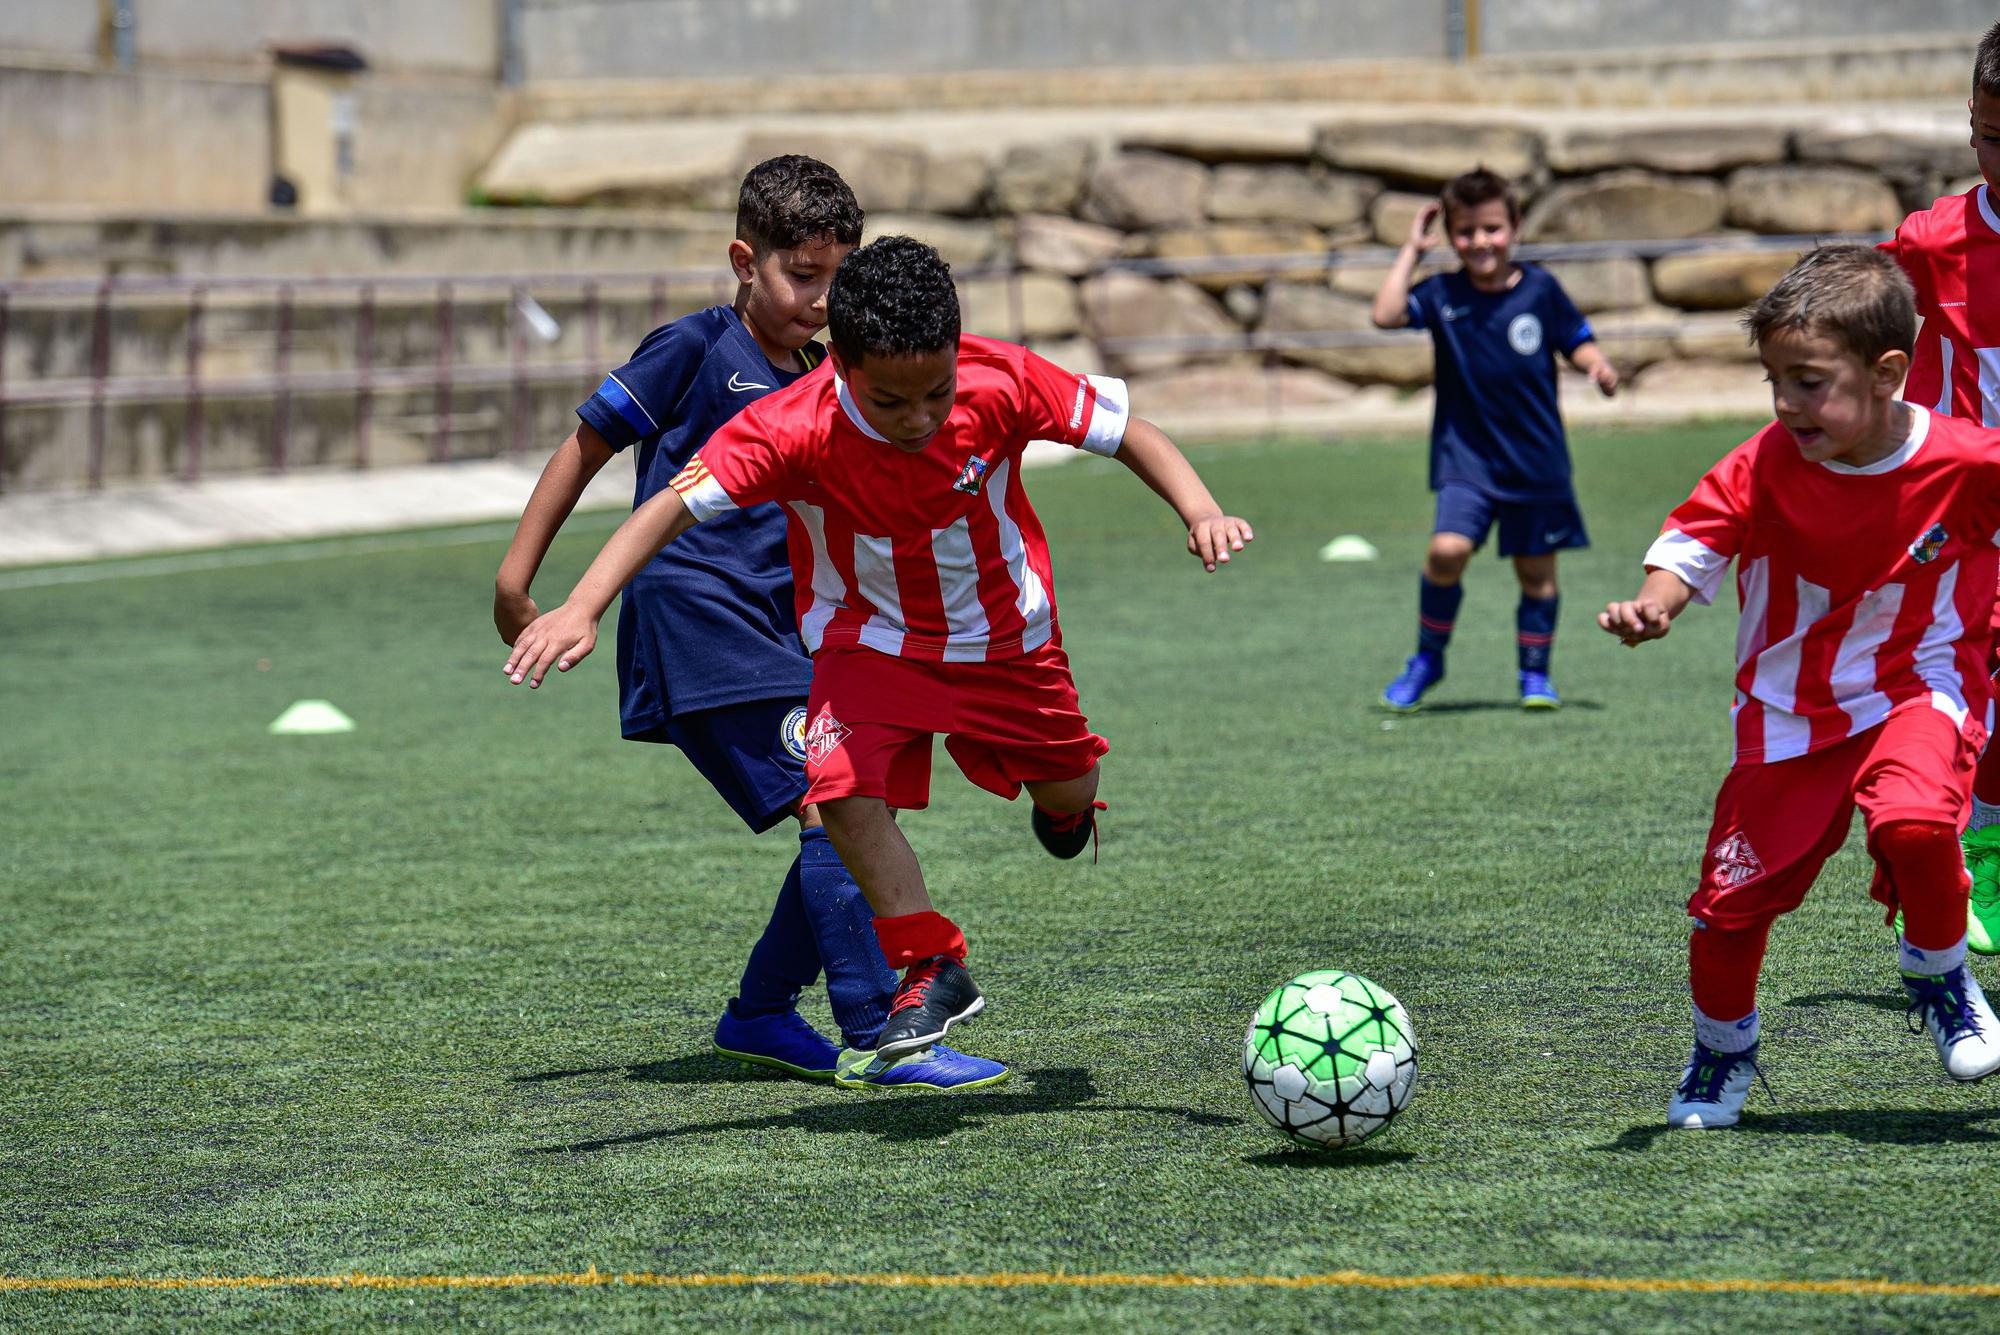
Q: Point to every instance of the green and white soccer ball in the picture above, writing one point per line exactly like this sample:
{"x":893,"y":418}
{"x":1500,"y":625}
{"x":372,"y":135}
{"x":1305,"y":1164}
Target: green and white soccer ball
{"x":1330,"y":1058}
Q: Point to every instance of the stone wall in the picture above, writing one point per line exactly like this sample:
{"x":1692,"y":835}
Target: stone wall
{"x":1089,"y":215}
{"x":1223,"y":261}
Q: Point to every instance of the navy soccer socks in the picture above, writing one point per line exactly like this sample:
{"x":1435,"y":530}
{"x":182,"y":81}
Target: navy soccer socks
{"x":1437,"y":613}
{"x":1535,"y":631}
{"x":859,"y":982}
{"x":785,"y":959}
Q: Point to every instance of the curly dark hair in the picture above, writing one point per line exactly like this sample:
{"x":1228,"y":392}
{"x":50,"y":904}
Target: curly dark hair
{"x":892,"y":298}
{"x":788,"y":201}
{"x":1476,"y":187}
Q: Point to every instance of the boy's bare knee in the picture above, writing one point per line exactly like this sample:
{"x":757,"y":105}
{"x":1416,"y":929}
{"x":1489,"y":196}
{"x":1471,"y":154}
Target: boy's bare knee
{"x":1537,"y":575}
{"x":1446,"y":560}
{"x":1063,"y":796}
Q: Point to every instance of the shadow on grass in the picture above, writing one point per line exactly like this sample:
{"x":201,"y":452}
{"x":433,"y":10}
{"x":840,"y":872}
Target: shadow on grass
{"x":1881,"y":1001}
{"x":1885,"y":1126}
{"x":697,"y":1068}
{"x":902,"y":1117}
{"x":1489,"y":706}
{"x":1299,"y":1159}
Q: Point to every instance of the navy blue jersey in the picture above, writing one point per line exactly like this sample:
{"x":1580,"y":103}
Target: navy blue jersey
{"x":1496,"y":426}
{"x":709,"y":621}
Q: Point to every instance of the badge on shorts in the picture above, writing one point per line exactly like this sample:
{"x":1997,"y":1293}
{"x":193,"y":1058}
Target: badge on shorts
{"x":824,"y":737}
{"x":792,"y":732}
{"x":1926,"y":548}
{"x":1736,"y":863}
{"x":970,"y":476}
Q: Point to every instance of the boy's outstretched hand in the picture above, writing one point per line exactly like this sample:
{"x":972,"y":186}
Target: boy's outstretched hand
{"x":512,"y":614}
{"x":1212,"y":540}
{"x":1636,"y":620}
{"x":563,"y":636}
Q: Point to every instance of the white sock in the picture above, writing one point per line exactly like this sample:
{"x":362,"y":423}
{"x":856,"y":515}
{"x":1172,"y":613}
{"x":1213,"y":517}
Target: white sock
{"x":1983,"y":815}
{"x":1727,"y":1035}
{"x":1933,"y":963}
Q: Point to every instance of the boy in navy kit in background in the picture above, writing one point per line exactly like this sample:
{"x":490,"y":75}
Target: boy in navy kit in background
{"x":1498,"y":452}
{"x":709,"y":655}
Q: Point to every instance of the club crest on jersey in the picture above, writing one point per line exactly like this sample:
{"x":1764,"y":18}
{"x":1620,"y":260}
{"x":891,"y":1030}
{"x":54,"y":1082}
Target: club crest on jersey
{"x":971,"y":476}
{"x":1926,"y":548}
{"x":1736,"y":863}
{"x":792,"y":733}
{"x":824,"y":737}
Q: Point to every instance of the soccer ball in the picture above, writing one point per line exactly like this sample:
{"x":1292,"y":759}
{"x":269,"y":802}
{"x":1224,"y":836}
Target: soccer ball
{"x":1331,"y":1059}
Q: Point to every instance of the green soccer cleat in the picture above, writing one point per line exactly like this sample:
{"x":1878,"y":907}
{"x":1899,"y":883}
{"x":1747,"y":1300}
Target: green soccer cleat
{"x":1982,"y":860}
{"x":1982,"y":914}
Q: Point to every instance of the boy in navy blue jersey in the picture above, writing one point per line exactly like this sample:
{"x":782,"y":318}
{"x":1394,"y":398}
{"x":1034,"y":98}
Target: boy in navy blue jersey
{"x":709,"y":655}
{"x":1498,"y":452}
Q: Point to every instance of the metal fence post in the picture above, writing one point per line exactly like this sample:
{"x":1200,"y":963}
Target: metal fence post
{"x":4,"y":295}
{"x":191,"y":444}
{"x":364,"y":366}
{"x":100,"y":370}
{"x":281,"y":403}
{"x":441,"y":449}
{"x":1461,"y":29}
{"x":518,"y":339}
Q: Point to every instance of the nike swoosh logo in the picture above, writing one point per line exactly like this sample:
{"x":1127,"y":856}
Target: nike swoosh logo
{"x":740,"y":385}
{"x":1556,"y":537}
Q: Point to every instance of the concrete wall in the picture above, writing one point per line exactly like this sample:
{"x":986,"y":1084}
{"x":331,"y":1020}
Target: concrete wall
{"x":1508,"y":27}
{"x":459,"y":36}
{"x":664,"y":39}
{"x":667,"y":39}
{"x":180,"y":141}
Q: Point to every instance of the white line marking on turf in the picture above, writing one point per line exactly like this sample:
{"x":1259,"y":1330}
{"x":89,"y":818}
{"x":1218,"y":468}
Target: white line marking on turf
{"x":232,"y":558}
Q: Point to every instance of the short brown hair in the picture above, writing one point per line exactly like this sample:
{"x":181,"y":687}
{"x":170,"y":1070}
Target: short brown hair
{"x":1856,"y":294}
{"x":788,"y":201}
{"x":1477,"y":187}
{"x":1986,"y":65}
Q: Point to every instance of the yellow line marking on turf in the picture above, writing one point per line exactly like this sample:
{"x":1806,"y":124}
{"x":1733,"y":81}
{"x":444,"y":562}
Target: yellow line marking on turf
{"x":1026,"y":1279}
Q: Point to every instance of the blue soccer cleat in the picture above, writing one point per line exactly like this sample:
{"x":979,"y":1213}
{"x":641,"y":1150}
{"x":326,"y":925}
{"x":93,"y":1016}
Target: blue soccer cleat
{"x":1538,"y":692}
{"x":783,"y":1042}
{"x":1420,"y":673}
{"x":934,"y":1068}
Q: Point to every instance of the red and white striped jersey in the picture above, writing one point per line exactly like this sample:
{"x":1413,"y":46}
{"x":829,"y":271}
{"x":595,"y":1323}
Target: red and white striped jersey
{"x":1863,"y":590}
{"x":934,"y":555}
{"x":1951,"y":252}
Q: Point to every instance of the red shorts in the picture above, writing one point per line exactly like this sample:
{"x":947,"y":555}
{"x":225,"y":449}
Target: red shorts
{"x":1777,"y":824}
{"x":871,"y":718}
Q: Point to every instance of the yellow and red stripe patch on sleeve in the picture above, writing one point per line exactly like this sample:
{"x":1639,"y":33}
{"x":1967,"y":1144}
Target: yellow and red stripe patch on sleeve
{"x":691,"y":476}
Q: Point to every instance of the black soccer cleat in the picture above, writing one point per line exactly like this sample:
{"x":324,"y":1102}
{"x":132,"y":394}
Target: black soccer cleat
{"x":1066,"y":835}
{"x":935,"y":995}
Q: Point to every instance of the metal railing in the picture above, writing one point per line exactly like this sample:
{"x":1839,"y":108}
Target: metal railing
{"x":520,"y":373}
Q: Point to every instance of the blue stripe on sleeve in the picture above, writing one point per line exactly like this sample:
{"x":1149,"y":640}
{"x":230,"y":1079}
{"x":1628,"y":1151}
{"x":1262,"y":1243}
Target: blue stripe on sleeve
{"x":629,"y":409}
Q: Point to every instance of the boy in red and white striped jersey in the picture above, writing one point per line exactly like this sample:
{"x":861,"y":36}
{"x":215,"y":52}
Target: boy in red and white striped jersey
{"x":1951,"y":252}
{"x":1863,"y":531}
{"x":923,"y":585}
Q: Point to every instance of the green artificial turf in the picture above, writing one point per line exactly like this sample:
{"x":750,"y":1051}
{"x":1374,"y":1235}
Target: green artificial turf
{"x":433,"y":997}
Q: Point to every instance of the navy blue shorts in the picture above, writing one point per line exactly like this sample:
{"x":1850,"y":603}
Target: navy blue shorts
{"x":1527,"y":528}
{"x":753,"y":754}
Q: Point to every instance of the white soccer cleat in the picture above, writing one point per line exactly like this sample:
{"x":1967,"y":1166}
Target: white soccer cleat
{"x":1713,"y":1088}
{"x":1960,"y":1019}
